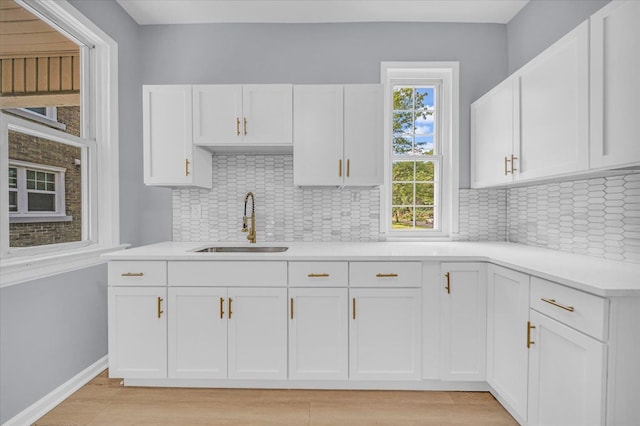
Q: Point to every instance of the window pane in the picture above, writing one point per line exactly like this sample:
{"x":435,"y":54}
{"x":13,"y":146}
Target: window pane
{"x":424,"y":171}
{"x":39,"y":202}
{"x":44,"y":152}
{"x":402,"y":194}
{"x":402,"y":122}
{"x":424,"y":194}
{"x":403,"y":98}
{"x":13,"y":177}
{"x":425,"y":99}
{"x":424,"y":145}
{"x":424,"y":218}
{"x":402,"y":144}
{"x":13,"y":201}
{"x":403,"y":171}
{"x":402,"y":218}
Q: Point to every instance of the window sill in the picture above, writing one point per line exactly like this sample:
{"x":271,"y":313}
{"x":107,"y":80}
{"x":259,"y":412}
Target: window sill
{"x":39,"y":219}
{"x":19,"y":269}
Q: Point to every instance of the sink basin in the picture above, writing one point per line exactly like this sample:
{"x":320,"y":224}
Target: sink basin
{"x":242,"y":249}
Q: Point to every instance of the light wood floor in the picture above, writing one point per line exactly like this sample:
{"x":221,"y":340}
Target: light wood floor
{"x":104,"y":402}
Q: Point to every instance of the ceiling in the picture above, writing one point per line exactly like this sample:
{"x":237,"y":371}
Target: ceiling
{"x":149,"y":12}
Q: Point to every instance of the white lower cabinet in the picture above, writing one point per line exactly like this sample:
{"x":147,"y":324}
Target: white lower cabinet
{"x":137,"y":332}
{"x":463,"y":309}
{"x":318,"y":333}
{"x":507,"y":353}
{"x":235,"y":333}
{"x":566,"y":375}
{"x":197,"y":343}
{"x":384,"y":334}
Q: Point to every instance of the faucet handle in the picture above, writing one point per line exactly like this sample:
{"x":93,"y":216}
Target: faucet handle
{"x":245,"y":228}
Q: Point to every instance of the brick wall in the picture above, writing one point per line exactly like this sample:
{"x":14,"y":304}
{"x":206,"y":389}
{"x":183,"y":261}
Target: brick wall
{"x":41,"y":151}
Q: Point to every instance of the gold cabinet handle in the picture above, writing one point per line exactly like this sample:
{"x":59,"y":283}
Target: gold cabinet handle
{"x":245,"y":126}
{"x":386,"y":275}
{"x":318,"y":275}
{"x":132,"y":274}
{"x":237,"y":126}
{"x":448,"y":286}
{"x":230,"y":312}
{"x":340,"y":168}
{"x":506,"y":166}
{"x":529,"y":327}
{"x":291,"y":307}
{"x":186,"y":167}
{"x":222,"y":308}
{"x":513,"y":162}
{"x":348,"y":167}
{"x":554,"y":303}
{"x":160,"y":311}
{"x":353,"y":307}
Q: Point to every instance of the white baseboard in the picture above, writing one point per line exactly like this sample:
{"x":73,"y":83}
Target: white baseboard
{"x":45,"y":404}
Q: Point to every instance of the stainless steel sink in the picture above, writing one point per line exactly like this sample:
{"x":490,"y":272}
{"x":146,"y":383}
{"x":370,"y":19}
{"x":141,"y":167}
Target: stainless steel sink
{"x":242,"y":249}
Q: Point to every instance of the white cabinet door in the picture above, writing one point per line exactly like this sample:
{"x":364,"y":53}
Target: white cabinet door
{"x":197,"y":342}
{"x":554,"y":109}
{"x":137,"y":332}
{"x":615,"y":86}
{"x":257,"y":333}
{"x":384,"y":334}
{"x":566,"y":375}
{"x":492,"y":136}
{"x":363,"y":135}
{"x":217,"y":114}
{"x":318,"y":333}
{"x":463,"y":321}
{"x":170,"y":159}
{"x":318,"y":135}
{"x":267,"y":114}
{"x":507,"y":353}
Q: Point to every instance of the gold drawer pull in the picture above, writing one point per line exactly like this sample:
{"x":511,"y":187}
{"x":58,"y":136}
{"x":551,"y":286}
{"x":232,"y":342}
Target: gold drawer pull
{"x":132,"y":274}
{"x":230,"y":311}
{"x":160,"y":311}
{"x":506,"y":166}
{"x":318,"y":275}
{"x":386,"y":275}
{"x":186,"y":166}
{"x":554,"y":303}
{"x":448,"y":286}
{"x":222,"y":308}
{"x":353,"y":307}
{"x":238,"y":126}
{"x":529,"y":327}
{"x":291,"y":310}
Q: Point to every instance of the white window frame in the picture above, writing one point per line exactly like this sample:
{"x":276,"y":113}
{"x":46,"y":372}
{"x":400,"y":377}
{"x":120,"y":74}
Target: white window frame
{"x":23,"y":214}
{"x":50,"y":118}
{"x":444,"y":75}
{"x":100,"y":125}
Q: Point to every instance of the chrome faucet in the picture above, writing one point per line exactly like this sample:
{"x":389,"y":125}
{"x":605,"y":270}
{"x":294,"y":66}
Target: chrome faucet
{"x":251,"y":230}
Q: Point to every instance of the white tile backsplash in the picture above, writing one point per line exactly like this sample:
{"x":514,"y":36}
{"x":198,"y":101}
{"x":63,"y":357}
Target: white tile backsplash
{"x":283,"y":212}
{"x":598,"y":217}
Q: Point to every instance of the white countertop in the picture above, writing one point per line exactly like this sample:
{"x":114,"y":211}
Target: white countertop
{"x":594,"y":275}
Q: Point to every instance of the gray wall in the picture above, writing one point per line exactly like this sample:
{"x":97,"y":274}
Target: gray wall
{"x":50,"y":330}
{"x":324,"y":53}
{"x":53,"y":328}
{"x":540,"y":23}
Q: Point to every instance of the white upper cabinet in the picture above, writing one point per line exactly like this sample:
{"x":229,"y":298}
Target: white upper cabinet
{"x":258,"y":114}
{"x":170,"y":159}
{"x":338,"y":135}
{"x":535,"y":124}
{"x":492,"y":135}
{"x":615,"y":85}
{"x":554,"y":110}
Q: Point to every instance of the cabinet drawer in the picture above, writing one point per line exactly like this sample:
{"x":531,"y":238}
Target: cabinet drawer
{"x":322,"y":274}
{"x":227,"y":273}
{"x":127,"y":272}
{"x":385,"y":274}
{"x":582,"y":311}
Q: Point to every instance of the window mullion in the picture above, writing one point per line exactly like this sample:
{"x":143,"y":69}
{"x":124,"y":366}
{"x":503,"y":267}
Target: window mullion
{"x":22,"y":191}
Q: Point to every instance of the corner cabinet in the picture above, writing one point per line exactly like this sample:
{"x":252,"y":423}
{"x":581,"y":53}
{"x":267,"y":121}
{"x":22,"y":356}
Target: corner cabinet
{"x":236,"y":115}
{"x":170,"y":158}
{"x":463,"y":308}
{"x":507,"y":352}
{"x":535,"y":124}
{"x":615,"y":86}
{"x":338,"y":136}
